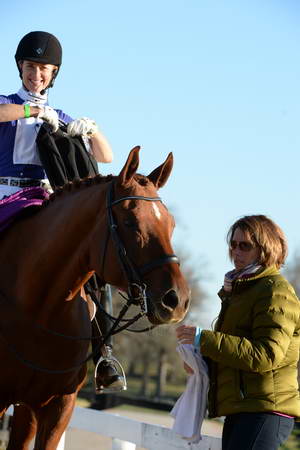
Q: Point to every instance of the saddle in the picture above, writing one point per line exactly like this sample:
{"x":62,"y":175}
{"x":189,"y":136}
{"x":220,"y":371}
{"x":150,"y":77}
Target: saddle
{"x":25,"y":202}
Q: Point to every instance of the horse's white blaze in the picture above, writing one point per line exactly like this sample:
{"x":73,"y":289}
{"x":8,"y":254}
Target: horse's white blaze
{"x":156,"y":210}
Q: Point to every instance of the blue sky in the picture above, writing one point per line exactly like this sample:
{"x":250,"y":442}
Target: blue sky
{"x":215,"y":82}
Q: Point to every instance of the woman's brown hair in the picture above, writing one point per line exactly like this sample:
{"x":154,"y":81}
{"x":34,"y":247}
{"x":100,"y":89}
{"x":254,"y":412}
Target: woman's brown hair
{"x":266,"y":235}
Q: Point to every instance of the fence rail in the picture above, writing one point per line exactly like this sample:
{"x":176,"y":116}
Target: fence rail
{"x":127,"y":434}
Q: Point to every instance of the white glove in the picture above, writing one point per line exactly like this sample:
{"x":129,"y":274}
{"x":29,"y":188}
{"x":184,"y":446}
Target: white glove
{"x":49,"y":115}
{"x":82,"y":127}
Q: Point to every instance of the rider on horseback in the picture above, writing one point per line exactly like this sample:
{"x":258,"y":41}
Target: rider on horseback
{"x":38,"y":58}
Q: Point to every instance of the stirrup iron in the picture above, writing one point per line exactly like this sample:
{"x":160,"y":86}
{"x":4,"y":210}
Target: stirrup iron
{"x":119,"y":370}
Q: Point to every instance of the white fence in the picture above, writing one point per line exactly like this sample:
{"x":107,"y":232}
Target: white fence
{"x":127,"y":434}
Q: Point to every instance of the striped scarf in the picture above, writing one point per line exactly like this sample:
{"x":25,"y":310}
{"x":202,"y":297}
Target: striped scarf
{"x":233,"y":275}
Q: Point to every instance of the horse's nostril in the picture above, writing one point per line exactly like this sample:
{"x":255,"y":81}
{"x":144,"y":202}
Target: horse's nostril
{"x":171,"y":299}
{"x":186,"y":305}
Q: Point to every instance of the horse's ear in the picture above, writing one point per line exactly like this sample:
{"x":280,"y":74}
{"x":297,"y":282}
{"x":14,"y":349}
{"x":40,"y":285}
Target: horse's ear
{"x":130,"y":166}
{"x":160,"y":175}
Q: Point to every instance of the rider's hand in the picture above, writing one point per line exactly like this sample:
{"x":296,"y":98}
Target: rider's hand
{"x":82,"y":127}
{"x":49,"y":115}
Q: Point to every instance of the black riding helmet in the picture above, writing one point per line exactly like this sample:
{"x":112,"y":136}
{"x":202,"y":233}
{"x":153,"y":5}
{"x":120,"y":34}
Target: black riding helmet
{"x":41,"y":47}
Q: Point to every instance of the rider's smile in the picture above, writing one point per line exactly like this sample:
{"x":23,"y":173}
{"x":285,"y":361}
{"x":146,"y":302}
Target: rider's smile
{"x":36,"y":76}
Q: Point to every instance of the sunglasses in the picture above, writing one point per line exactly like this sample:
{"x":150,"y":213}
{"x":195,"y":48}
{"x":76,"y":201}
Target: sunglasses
{"x":244,"y":246}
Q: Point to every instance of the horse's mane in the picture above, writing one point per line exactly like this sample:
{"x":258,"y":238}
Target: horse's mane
{"x":89,"y":181}
{"x":77,"y":184}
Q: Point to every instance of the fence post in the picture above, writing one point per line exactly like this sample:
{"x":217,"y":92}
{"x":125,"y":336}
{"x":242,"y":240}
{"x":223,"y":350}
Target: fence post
{"x":117,"y":444}
{"x":4,"y":432}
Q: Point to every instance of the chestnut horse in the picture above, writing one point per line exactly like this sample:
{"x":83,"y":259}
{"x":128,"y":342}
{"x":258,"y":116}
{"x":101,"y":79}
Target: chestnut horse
{"x":45,"y":260}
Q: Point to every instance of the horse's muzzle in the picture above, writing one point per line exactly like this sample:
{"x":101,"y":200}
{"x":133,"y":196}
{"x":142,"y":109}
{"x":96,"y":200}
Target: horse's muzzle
{"x":169,"y":309}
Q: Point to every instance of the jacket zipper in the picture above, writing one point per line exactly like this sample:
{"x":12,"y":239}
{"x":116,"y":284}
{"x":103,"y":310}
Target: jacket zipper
{"x":242,"y":386}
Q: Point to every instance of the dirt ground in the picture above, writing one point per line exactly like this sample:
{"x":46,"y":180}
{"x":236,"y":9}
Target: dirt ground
{"x":80,"y":440}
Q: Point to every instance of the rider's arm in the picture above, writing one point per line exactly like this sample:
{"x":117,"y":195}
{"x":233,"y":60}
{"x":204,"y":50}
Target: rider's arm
{"x":100,"y":148}
{"x":11,"y":111}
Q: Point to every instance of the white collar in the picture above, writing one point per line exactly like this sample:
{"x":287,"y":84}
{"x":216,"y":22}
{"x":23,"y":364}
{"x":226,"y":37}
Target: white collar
{"x":27,"y":96}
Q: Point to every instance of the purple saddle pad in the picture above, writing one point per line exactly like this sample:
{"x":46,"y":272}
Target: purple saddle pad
{"x":11,"y":207}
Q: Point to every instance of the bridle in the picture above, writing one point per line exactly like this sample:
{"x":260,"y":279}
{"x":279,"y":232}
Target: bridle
{"x":137,"y":288}
{"x":132,"y":273}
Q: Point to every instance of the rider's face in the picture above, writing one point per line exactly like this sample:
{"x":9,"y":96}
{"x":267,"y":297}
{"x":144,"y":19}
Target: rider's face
{"x":36,"y":76}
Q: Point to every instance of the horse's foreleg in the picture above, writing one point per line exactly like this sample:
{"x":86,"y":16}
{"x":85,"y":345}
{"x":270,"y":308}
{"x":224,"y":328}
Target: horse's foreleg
{"x":23,"y":429}
{"x":53,"y":419}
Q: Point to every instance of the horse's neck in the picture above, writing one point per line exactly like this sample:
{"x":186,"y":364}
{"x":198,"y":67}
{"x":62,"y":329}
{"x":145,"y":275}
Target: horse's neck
{"x":51,"y":255}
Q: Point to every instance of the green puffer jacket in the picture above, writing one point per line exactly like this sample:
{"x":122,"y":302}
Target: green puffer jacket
{"x":254,"y":349}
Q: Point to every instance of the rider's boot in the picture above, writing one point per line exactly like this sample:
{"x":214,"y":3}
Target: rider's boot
{"x":109,"y":374}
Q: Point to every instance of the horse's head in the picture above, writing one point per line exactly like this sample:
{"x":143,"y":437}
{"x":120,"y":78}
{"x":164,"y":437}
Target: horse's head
{"x":138,"y":249}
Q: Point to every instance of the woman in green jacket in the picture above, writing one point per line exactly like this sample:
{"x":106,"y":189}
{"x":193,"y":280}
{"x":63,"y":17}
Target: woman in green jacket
{"x":254,"y":350}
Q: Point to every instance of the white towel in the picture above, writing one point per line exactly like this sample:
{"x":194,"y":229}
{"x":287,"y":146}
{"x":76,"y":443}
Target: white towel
{"x":190,"y":408}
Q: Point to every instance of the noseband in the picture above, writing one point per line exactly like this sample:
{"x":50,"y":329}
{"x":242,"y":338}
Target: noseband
{"x":133,"y":274}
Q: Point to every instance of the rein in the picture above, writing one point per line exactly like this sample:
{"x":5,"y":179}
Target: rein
{"x":36,"y":366}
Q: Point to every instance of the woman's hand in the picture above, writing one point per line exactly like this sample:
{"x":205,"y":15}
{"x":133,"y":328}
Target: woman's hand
{"x":186,"y":334}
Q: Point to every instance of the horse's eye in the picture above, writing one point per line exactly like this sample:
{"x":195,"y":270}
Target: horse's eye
{"x":129,"y":223}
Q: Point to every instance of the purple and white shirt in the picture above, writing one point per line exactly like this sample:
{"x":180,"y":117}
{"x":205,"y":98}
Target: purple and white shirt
{"x":18,"y":151}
